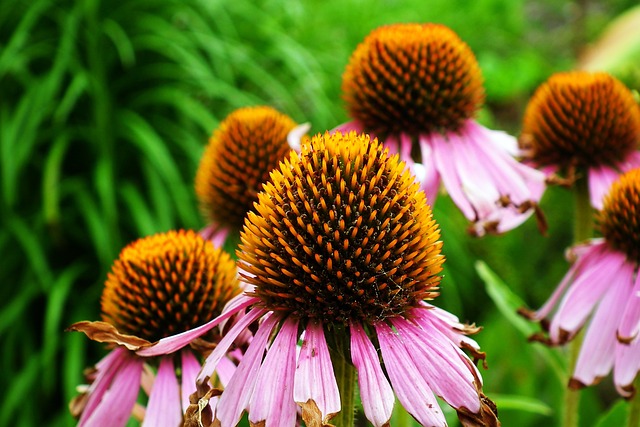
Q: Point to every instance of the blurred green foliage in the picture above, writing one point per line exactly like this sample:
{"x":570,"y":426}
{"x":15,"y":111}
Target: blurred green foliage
{"x":105,"y":107}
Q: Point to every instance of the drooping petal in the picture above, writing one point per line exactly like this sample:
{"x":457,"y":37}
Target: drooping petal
{"x":597,"y":353}
{"x":176,"y":342}
{"x":584,"y":293}
{"x":294,"y":137}
{"x":375,"y":391}
{"x":315,"y":387}
{"x":429,"y":176}
{"x":120,"y":386}
{"x":216,"y":234}
{"x":600,"y":179}
{"x":449,"y":325}
{"x":626,"y":367}
{"x":442,"y":363}
{"x":629,"y":327}
{"x":223,"y":346}
{"x":411,"y":389}
{"x":236,"y":396}
{"x":165,"y":404}
{"x":274,"y":405}
{"x":190,"y":369}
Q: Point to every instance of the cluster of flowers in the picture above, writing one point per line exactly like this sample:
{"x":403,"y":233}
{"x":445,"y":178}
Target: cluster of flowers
{"x":339,"y":252}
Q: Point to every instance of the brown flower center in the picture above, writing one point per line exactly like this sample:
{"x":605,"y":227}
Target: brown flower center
{"x":620,"y":217}
{"x":249,"y":143}
{"x":412,"y":78}
{"x":340,"y":233}
{"x":581,"y":119}
{"x":167,"y":283}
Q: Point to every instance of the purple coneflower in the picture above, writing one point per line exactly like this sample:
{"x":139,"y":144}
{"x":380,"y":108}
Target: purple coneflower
{"x":418,"y":87}
{"x":247,"y":145}
{"x":341,"y":253}
{"x":582,"y":123}
{"x":159,"y":293}
{"x":604,"y":282}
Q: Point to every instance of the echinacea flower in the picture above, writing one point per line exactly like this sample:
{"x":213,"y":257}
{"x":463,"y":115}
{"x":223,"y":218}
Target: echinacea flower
{"x":603,"y":283}
{"x":341,"y":252}
{"x":247,"y":145}
{"x":581,"y":123}
{"x":159,"y":293}
{"x":418,"y":88}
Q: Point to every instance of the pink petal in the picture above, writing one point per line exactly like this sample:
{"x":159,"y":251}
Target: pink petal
{"x":630,"y":323}
{"x":447,"y":324}
{"x":274,"y":404}
{"x":295,"y":135}
{"x":347,"y":127}
{"x":600,"y":180}
{"x":225,"y":370}
{"x":411,"y":389}
{"x":627,"y":366}
{"x":116,"y":403}
{"x":216,"y":234}
{"x":222,"y":347}
{"x":314,"y":378}
{"x":586,"y":255}
{"x":190,"y":369}
{"x":587,"y":289}
{"x":176,"y":342}
{"x":444,"y":367}
{"x":375,"y":392}
{"x":236,"y":396}
{"x":429,"y":175}
{"x":598,"y":348}
{"x":165,"y":405}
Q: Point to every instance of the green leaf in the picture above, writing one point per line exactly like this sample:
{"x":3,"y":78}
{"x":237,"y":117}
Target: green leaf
{"x":521,"y":403}
{"x":615,"y":416}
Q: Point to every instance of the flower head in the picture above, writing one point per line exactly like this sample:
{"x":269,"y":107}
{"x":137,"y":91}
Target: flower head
{"x":159,"y":293}
{"x":418,"y":87}
{"x":604,"y":284}
{"x":249,"y":143}
{"x":583,"y":122}
{"x":343,"y":248}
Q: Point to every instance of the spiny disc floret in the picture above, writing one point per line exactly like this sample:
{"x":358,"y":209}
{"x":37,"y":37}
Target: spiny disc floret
{"x":581,"y":119}
{"x":620,"y":217}
{"x":341,"y":232}
{"x":167,"y":283}
{"x":248,"y":144}
{"x":412,"y":78}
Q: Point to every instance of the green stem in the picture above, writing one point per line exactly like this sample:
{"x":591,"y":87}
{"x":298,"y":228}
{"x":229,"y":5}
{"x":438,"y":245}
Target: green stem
{"x":634,"y":407}
{"x":583,"y":229}
{"x":346,"y":377}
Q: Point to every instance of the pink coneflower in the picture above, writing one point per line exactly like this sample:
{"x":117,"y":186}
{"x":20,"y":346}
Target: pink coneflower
{"x":418,"y":87}
{"x":341,"y":253}
{"x":583,"y":124}
{"x":603,"y":282}
{"x":159,"y":293}
{"x":247,"y":145}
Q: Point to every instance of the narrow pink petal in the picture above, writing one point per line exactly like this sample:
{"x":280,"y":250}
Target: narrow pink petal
{"x":165,"y":405}
{"x":585,"y":292}
{"x":216,"y":234}
{"x":222,"y":347}
{"x":225,"y":370}
{"x":115,"y":406}
{"x":444,"y":367}
{"x":626,"y":367}
{"x":598,"y":348}
{"x":600,"y":180}
{"x":236,"y":396}
{"x":274,"y":404}
{"x":630,"y":323}
{"x":354,"y":125}
{"x":190,"y":369}
{"x":411,"y":389}
{"x":375,"y":391}
{"x":314,"y":377}
{"x":446,"y":166}
{"x":430,"y":177}
{"x":176,"y":342}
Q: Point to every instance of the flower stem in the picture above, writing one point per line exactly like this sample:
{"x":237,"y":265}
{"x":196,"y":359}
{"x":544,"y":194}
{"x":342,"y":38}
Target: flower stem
{"x":583,"y":229}
{"x":634,"y":407}
{"x":346,"y":378}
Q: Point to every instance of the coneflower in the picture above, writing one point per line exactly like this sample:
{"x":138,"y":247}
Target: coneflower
{"x":604,"y":284}
{"x":342,"y":252}
{"x":583,"y":124}
{"x":159,"y":293}
{"x":418,"y":88}
{"x":247,"y":145}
